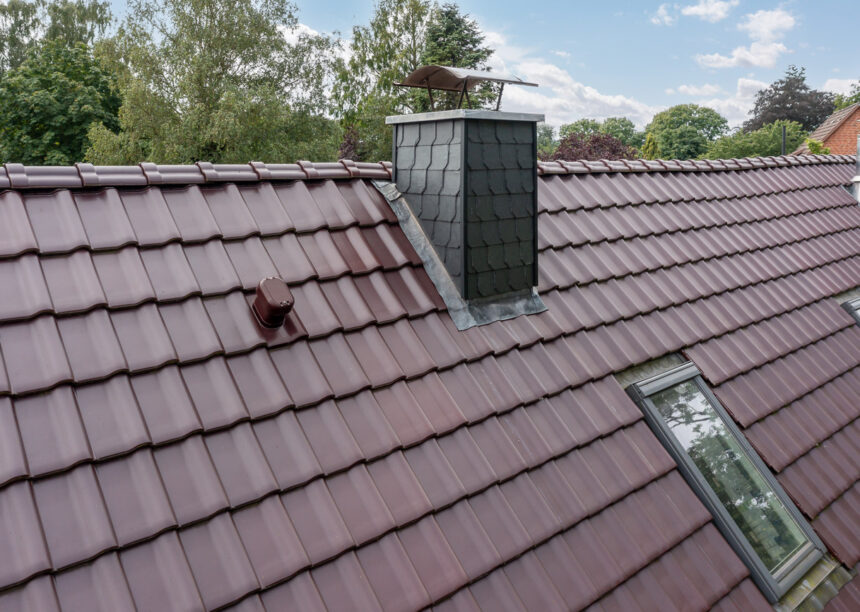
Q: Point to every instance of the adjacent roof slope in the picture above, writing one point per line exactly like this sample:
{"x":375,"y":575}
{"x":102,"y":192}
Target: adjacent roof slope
{"x":162,"y":451}
{"x":830,"y":125}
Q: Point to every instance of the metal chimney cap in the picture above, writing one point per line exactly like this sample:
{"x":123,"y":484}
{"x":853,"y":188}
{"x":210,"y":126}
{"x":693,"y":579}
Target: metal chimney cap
{"x":457,"y":79}
{"x":272,"y":302}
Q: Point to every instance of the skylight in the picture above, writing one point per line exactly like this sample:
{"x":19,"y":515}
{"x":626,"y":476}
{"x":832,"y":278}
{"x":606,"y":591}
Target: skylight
{"x":749,"y":507}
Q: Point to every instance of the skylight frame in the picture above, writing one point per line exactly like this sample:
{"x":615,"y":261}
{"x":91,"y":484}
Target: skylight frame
{"x":772,"y":585}
{"x":853,"y":308}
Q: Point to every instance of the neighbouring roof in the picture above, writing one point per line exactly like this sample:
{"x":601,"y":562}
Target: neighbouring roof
{"x":830,"y":125}
{"x":160,"y":450}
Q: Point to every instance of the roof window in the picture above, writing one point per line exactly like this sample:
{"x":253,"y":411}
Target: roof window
{"x":749,"y":507}
{"x":853,"y":308}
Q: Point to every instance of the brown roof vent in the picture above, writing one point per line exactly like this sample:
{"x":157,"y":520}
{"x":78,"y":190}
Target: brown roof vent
{"x":273,"y":301}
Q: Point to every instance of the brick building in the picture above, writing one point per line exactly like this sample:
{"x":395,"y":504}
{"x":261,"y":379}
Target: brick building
{"x":838,"y":132}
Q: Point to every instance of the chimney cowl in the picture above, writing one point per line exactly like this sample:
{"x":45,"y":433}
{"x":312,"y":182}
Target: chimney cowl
{"x":273,"y":301}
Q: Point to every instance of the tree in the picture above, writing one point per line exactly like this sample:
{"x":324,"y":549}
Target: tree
{"x":790,"y":98}
{"x":546,"y":142}
{"x":852,"y":97}
{"x":50,"y":101}
{"x":579,"y":146}
{"x":685,"y":131}
{"x":650,"y":148}
{"x":23,"y":23}
{"x":816,"y":147}
{"x":619,"y":127}
{"x":766,"y":140}
{"x":217,"y":80}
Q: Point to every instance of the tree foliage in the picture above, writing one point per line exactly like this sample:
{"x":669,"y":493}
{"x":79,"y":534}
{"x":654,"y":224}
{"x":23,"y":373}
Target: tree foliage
{"x":619,"y":127}
{"x":23,"y":23}
{"x":685,"y":131}
{"x":217,"y":80}
{"x":766,"y":140}
{"x":579,"y":146}
{"x":650,"y":148}
{"x":546,"y":142}
{"x":816,"y":147}
{"x":852,"y":97}
{"x":50,"y":101}
{"x":790,"y":98}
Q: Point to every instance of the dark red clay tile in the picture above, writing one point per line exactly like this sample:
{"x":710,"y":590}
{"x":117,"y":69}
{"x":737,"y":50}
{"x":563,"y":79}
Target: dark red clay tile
{"x":435,"y":474}
{"x":346,"y":302}
{"x":191,"y":214}
{"x":99,"y":586}
{"x":323,"y":255}
{"x":390,"y":247}
{"x":399,"y":487}
{"x":190,"y":479}
{"x":394,"y":581}
{"x":501,"y":525}
{"x":436,"y":341}
{"x":169,"y":272}
{"x":270,"y":540}
{"x":344,"y":585}
{"x":16,"y":234}
{"x":317,"y":521}
{"x":12,"y":461}
{"x":355,"y":251}
{"x":467,"y":394}
{"x":566,"y":574}
{"x":159,"y":577}
{"x":250,"y":261}
{"x":264,"y":206}
{"x":80,"y":534}
{"x":149,"y":216}
{"x":497,"y":447}
{"x":289,"y":258}
{"x":287,"y":450}
{"x":530,"y":507}
{"x":123,"y":277}
{"x":329,"y":437}
{"x":22,"y":543}
{"x":345,"y":375}
{"x":403,"y":413}
{"x":367,"y":204}
{"x":300,"y":206}
{"x":360,"y":504}
{"x":190,"y":329}
{"x":91,"y":345}
{"x":135,"y":497}
{"x":218,"y":561}
{"x":461,"y":601}
{"x":496,"y":593}
{"x":301,"y":373}
{"x":211,"y":267}
{"x":368,"y":425}
{"x":525,"y":436}
{"x":111,"y":417}
{"x":258,"y":383}
{"x":377,"y":361}
{"x":24,"y":290}
{"x":312,"y":308}
{"x":240,"y":464}
{"x":165,"y":405}
{"x":563,"y":501}
{"x":468,"y":539}
{"x":229,"y":210}
{"x":416,"y":296}
{"x":299,"y":593}
{"x":493,"y":381}
{"x":55,"y":221}
{"x":51,"y":431}
{"x":104,"y":219}
{"x":213,"y":392}
{"x":380,"y":298}
{"x":72,"y":282}
{"x":34,"y":354}
{"x":331,"y":203}
{"x":436,"y":403}
{"x":467,"y":460}
{"x":432,"y":558}
{"x":533,"y":585}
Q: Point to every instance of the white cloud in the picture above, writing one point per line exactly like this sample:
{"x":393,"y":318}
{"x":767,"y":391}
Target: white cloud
{"x":839,"y":86}
{"x":696,"y":90}
{"x":662,"y":16}
{"x":710,"y":10}
{"x":736,"y":107}
{"x":765,"y":28}
{"x":563,"y":54}
{"x":768,"y":25}
{"x":560,"y":96}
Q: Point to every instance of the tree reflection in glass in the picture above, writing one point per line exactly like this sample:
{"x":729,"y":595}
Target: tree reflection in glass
{"x":750,"y":500}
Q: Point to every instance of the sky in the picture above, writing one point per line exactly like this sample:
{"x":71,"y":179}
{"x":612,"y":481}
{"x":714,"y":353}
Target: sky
{"x":634,"y":58}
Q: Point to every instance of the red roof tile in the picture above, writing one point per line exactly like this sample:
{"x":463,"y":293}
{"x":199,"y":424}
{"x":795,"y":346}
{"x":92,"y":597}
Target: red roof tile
{"x":368,"y":455}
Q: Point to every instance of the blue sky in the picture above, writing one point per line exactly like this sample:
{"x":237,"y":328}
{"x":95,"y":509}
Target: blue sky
{"x":633,"y":58}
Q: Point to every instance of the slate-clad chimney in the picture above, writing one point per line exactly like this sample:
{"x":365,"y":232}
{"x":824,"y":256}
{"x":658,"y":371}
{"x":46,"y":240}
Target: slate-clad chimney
{"x":470,"y":178}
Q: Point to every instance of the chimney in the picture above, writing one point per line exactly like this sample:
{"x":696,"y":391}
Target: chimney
{"x":470,"y":178}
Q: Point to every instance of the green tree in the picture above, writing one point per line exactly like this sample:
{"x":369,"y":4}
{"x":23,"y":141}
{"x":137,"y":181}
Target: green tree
{"x":23,"y":23}
{"x":50,"y":101}
{"x":620,"y":128}
{"x":792,"y":99}
{"x":580,"y":126}
{"x":546,"y":142}
{"x":816,"y":147}
{"x":852,"y":97}
{"x":217,"y":80}
{"x":650,"y":148}
{"x":766,"y":140}
{"x":685,"y":131}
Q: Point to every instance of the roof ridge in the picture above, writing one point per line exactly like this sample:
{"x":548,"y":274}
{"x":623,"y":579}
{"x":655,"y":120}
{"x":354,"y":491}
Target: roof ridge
{"x":19,"y":176}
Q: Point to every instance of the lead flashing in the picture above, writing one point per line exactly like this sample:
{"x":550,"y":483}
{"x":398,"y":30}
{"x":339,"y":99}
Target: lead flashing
{"x":464,"y":113}
{"x":464,"y":313}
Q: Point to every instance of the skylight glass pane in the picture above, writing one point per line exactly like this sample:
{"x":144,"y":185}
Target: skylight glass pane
{"x":749,"y":499}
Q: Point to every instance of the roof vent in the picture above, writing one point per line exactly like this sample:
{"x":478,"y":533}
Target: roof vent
{"x":469,"y":179}
{"x":272,"y":302}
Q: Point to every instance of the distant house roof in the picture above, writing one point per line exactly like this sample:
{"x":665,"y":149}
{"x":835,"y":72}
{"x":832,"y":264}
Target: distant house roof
{"x":830,"y":125}
{"x":161,"y":450}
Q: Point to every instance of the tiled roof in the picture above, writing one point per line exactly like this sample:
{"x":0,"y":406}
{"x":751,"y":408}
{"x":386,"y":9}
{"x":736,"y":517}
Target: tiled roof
{"x":160,"y":450}
{"x":829,"y":126}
